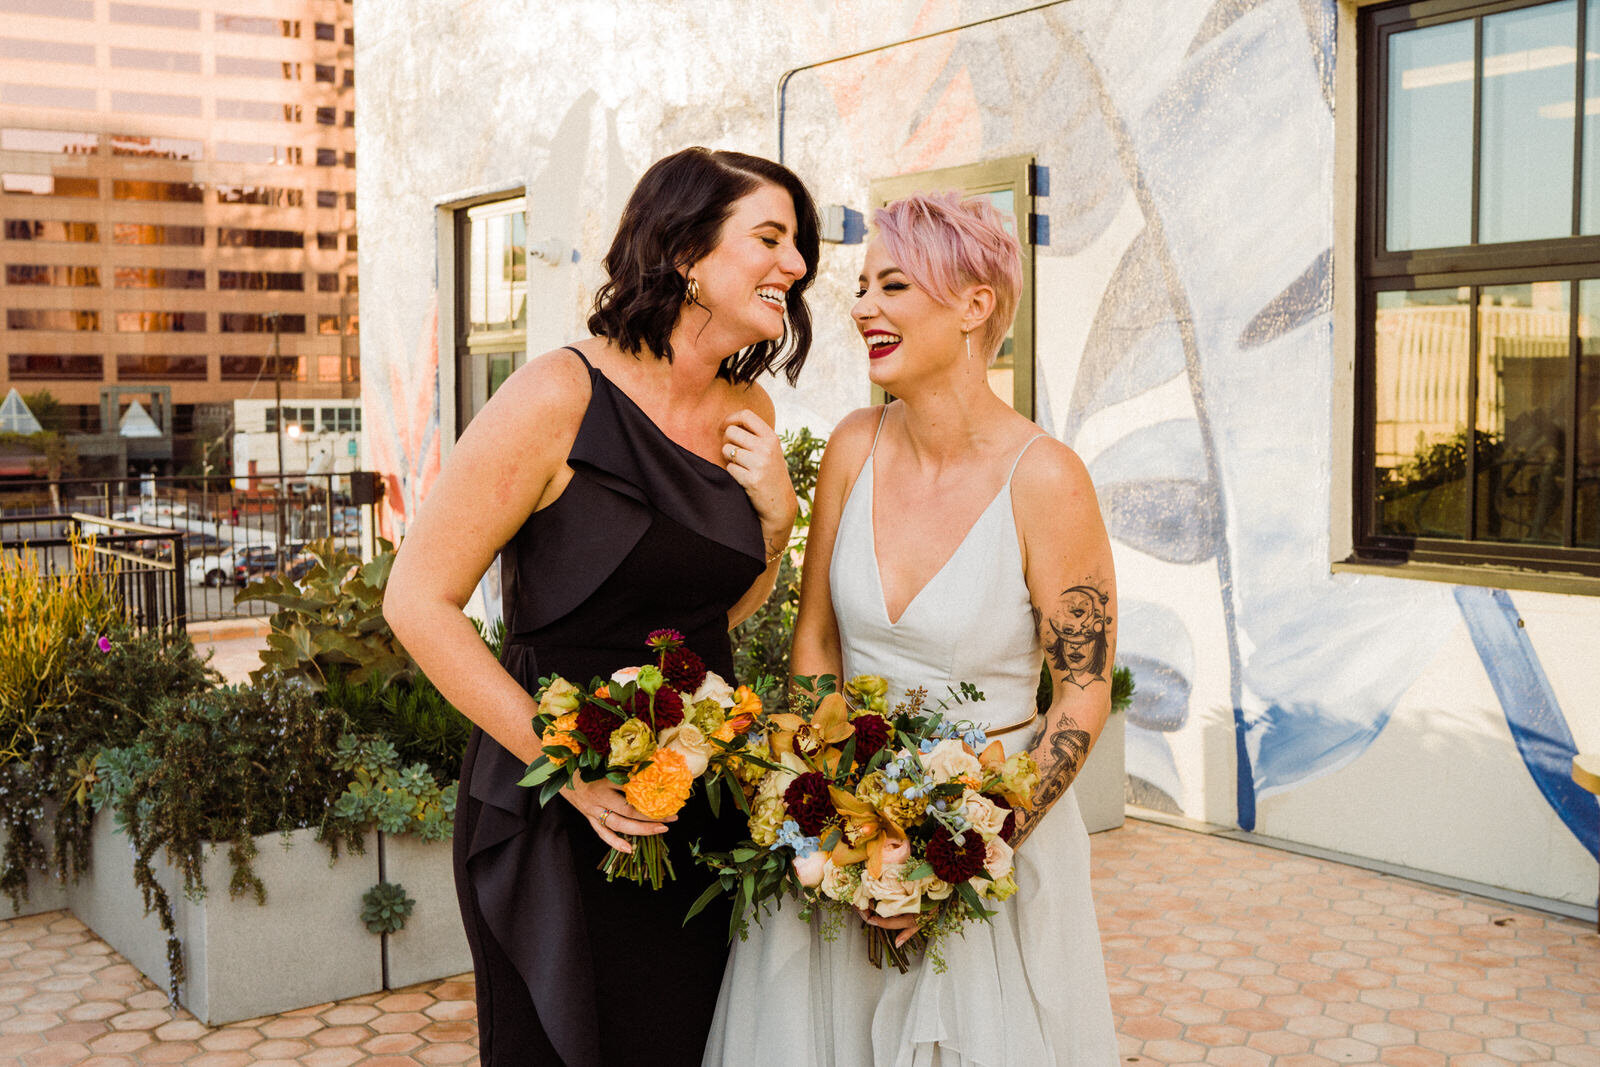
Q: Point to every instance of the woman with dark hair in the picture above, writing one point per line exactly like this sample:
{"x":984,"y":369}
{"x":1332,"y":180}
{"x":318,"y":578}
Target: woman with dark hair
{"x":951,"y":541}
{"x":629,"y":482}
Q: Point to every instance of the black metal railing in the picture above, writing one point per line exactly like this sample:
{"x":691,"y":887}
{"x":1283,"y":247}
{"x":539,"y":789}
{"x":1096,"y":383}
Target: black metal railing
{"x":117,"y":554}
{"x":214,"y":533}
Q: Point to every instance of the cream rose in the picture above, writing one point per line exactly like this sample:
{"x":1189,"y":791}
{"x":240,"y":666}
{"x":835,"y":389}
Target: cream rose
{"x":891,"y":894}
{"x":950,"y":759}
{"x":713,"y":688}
{"x":809,"y":868}
{"x":985,"y":815}
{"x":938,"y":889}
{"x":997,"y":859}
{"x":843,"y":884}
{"x":626,"y":675}
{"x":692,"y":744}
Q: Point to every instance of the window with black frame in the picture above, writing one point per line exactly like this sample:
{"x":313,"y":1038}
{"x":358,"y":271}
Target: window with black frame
{"x":492,"y":300}
{"x":1479,"y":403}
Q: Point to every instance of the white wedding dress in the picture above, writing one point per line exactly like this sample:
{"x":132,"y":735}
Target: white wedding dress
{"x":1027,"y":989}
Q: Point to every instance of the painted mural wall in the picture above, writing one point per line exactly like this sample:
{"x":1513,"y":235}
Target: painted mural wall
{"x":1184,"y":348}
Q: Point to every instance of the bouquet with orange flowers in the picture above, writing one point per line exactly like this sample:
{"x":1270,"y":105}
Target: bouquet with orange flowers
{"x":857,"y":807}
{"x":654,"y":730}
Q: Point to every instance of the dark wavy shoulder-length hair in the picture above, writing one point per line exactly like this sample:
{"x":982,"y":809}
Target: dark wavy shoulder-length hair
{"x":672,"y":220}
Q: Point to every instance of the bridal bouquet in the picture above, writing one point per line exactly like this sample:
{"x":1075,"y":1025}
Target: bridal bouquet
{"x":855,"y":806}
{"x":653,"y":729}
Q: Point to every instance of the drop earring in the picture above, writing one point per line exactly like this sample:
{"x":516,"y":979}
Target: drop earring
{"x":967,"y":335}
{"x":691,"y":291}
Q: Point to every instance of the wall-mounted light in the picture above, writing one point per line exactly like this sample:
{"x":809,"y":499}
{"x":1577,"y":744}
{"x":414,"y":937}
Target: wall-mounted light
{"x":552,"y":252}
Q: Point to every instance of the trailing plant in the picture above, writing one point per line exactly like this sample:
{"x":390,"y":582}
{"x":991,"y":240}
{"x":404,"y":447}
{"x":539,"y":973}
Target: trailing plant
{"x":396,"y":799}
{"x":110,"y":684}
{"x":219,"y":768}
{"x":385,"y":908}
{"x":761,"y":643}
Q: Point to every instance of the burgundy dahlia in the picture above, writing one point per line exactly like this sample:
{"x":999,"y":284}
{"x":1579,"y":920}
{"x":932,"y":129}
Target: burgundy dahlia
{"x":809,"y":803}
{"x":683,"y":669}
{"x":668,"y":708}
{"x":952,"y":862}
{"x":596,"y":724}
{"x":872,"y":733}
{"x":1010,"y":826}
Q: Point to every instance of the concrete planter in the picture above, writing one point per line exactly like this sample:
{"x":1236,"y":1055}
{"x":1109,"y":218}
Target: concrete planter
{"x":44,"y":892}
{"x":1101,"y":785}
{"x":433,"y":944}
{"x":305,"y":945}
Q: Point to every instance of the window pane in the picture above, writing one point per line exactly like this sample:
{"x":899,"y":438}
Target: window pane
{"x":36,"y":51}
{"x":66,"y":9}
{"x":67,"y":142}
{"x":159,"y":278}
{"x":327,"y":283}
{"x":180,"y":192}
{"x":44,"y":274}
{"x":156,"y":104}
{"x":1588,"y":512}
{"x":127,"y":144}
{"x":258,"y":110}
{"x":51,"y":230}
{"x":32,"y":366}
{"x":161,"y":321}
{"x":1429,"y":201}
{"x":134,"y":233}
{"x":1525,"y":176}
{"x":51,"y":319}
{"x":249,"y":322}
{"x":152,"y":59}
{"x":281,"y":281}
{"x":328,"y":324}
{"x":1523,"y":399}
{"x":49,"y":185}
{"x":1591,"y":120}
{"x":229,"y":237}
{"x":1420,"y":412}
{"x":267,"y":195}
{"x":57,"y":96}
{"x":148,"y":15}
{"x":161,"y":368}
{"x":245,"y":368}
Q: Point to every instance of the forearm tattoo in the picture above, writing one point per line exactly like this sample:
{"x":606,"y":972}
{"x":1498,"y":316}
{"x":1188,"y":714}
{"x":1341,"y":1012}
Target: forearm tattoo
{"x":1077,"y":643}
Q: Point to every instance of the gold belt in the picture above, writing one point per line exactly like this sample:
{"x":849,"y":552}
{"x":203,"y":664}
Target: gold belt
{"x":996,"y":731}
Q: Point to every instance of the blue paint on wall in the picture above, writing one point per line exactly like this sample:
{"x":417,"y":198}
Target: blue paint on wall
{"x":1538,"y":727}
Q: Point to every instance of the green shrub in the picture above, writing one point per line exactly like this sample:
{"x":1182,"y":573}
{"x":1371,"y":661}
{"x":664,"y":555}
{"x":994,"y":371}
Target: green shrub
{"x":102,"y":701}
{"x":220,"y":767}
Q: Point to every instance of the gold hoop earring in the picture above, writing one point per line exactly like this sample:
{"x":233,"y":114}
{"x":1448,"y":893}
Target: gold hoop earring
{"x":691,"y":291}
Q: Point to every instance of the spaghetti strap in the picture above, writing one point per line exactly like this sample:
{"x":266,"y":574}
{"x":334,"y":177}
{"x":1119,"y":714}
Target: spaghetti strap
{"x":881,"y":415}
{"x":580,"y":355}
{"x":1024,"y":452}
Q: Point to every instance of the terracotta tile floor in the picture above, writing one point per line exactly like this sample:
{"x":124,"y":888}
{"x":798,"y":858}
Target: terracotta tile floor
{"x":1219,"y":952}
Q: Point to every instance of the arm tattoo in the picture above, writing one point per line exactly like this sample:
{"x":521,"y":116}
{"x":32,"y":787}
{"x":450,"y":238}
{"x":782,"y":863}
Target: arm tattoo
{"x":1077,"y":645}
{"x":1066,"y":746}
{"x":1079,"y":637}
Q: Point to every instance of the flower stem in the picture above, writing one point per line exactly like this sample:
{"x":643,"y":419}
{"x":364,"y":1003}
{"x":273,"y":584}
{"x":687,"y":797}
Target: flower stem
{"x":648,"y":862}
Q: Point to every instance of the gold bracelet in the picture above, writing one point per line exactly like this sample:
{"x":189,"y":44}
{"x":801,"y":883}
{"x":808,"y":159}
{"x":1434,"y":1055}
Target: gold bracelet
{"x":776,"y":556}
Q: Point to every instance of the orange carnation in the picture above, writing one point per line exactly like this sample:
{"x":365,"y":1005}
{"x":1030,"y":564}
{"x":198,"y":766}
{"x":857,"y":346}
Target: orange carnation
{"x":559,"y":733}
{"x":660,"y":789}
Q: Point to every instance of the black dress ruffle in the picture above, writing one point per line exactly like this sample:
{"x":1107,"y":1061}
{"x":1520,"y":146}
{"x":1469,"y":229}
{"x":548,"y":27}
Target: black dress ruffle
{"x":571,"y":968}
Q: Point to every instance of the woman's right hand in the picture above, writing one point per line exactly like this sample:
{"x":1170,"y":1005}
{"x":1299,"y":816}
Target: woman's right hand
{"x":610,"y":814}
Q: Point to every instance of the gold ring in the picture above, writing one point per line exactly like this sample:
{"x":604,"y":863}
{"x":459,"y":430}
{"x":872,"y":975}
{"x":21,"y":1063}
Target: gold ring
{"x":733,"y":453}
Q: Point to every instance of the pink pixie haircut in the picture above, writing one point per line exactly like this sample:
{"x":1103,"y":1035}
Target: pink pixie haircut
{"x":944,"y":244}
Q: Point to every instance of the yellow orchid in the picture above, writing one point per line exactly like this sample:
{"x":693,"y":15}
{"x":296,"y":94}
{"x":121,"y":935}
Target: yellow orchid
{"x":829,"y":725}
{"x":868,"y":832}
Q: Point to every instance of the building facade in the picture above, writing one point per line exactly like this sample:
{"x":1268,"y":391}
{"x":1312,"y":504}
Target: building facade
{"x":176,"y":180}
{"x":1312,"y":291}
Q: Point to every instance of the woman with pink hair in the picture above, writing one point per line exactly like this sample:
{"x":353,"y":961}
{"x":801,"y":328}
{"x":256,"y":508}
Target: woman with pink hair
{"x":951,"y":541}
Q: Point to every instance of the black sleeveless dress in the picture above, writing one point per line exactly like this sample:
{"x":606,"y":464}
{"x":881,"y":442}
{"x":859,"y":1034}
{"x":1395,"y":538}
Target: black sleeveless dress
{"x":570,"y":968}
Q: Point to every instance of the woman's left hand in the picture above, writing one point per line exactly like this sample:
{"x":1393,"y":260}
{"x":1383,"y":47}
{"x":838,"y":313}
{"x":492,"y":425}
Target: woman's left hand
{"x":907,"y":925}
{"x":754,"y":457}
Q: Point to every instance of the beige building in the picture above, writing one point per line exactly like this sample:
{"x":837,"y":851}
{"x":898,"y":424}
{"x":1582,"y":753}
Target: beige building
{"x":171,"y":177}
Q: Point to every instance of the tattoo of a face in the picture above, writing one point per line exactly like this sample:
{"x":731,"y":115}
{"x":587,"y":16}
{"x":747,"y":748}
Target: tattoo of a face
{"x":1078,"y":640}
{"x":1060,"y":754}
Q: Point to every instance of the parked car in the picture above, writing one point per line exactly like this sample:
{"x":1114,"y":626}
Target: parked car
{"x":194,"y":544}
{"x":212,"y":568}
{"x":263,"y":559}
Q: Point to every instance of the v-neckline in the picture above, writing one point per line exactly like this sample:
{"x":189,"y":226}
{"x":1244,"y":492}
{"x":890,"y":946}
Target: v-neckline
{"x":872,"y":543}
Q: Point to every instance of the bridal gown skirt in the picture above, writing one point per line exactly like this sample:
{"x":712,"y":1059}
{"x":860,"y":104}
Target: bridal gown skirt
{"x":1027,"y":989}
